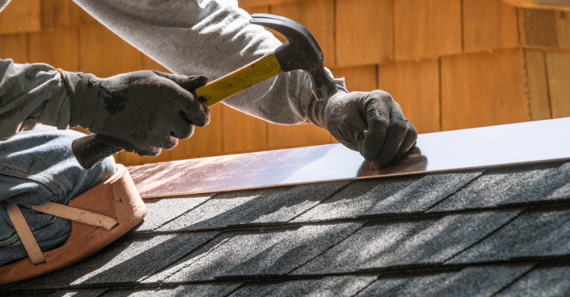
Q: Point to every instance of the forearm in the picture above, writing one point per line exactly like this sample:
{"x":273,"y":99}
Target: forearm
{"x":213,"y":39}
{"x":31,"y":94}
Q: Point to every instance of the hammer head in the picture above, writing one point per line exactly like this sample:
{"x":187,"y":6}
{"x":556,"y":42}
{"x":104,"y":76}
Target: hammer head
{"x":300,"y":52}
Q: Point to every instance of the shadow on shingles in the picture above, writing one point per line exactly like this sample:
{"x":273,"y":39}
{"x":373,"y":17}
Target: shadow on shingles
{"x":278,"y":207}
{"x":134,"y":261}
{"x":481,"y":281}
{"x":328,"y":286}
{"x":264,"y":254}
{"x":407,"y":243}
{"x":138,"y":262}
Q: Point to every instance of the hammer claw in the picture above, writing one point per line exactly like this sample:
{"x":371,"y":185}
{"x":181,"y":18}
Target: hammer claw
{"x":269,"y":16}
{"x":300,"y":52}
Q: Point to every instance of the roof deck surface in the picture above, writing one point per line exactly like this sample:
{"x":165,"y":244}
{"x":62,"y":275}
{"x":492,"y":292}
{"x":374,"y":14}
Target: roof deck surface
{"x":489,"y":232}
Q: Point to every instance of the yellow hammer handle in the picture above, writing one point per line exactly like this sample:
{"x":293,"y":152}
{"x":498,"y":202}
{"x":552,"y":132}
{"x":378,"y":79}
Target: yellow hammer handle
{"x":239,"y":80}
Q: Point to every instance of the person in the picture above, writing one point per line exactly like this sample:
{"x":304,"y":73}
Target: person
{"x":150,"y":110}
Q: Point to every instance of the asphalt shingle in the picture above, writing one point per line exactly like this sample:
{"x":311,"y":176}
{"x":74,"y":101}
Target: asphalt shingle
{"x":77,"y":293}
{"x":328,"y":286}
{"x":552,"y":281}
{"x":284,"y":206}
{"x":198,"y":290}
{"x":124,"y":261}
{"x":356,"y":199}
{"x":476,"y":281}
{"x":162,"y":211}
{"x":497,"y":186}
{"x":271,"y":253}
{"x":535,"y":234}
{"x":554,"y":185}
{"x":423,"y":193}
{"x":393,"y":244}
{"x":254,"y":206}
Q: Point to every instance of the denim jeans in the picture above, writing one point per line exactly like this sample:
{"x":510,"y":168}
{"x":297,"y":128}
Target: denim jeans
{"x":36,"y":167}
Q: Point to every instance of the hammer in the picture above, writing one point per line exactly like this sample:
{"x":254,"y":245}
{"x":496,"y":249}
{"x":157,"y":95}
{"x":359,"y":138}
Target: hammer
{"x":300,"y":52}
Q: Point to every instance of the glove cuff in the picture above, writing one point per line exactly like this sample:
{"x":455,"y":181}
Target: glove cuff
{"x":316,"y":108}
{"x":87,"y":109}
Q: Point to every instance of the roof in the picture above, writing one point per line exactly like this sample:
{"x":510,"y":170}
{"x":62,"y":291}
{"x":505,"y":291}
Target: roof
{"x":503,"y":231}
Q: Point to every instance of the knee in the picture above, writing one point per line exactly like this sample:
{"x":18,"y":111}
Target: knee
{"x":42,"y":161}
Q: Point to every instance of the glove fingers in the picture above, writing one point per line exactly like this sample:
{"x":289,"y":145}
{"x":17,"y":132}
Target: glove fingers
{"x":161,"y":134}
{"x":396,"y":132}
{"x":189,"y":83}
{"x":181,"y":128}
{"x":192,"y":110}
{"x":378,"y":123}
{"x":409,"y":140}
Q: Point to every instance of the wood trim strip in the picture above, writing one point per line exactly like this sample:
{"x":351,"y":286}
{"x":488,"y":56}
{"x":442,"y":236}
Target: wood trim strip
{"x":25,"y":234}
{"x":75,"y":214}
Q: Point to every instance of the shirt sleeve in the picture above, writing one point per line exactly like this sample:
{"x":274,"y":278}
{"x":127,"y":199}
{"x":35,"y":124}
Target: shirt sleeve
{"x":213,"y":38}
{"x":31,"y":94}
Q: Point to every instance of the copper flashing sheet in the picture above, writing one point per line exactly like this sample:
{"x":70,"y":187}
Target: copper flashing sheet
{"x":442,"y":151}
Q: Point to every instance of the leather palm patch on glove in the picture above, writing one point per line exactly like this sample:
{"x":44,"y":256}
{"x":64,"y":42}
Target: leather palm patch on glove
{"x":145,"y":111}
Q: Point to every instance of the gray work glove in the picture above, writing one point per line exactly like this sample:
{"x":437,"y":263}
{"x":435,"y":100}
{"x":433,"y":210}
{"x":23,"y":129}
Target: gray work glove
{"x":144,"y":110}
{"x":369,"y":122}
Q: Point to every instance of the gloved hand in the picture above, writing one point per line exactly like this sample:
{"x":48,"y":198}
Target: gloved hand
{"x":144,"y":110}
{"x":371,"y":123}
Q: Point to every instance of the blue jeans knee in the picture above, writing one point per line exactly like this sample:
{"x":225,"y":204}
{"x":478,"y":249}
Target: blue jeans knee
{"x":37,"y":167}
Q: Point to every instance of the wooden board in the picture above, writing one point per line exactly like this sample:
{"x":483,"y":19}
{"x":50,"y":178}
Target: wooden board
{"x":254,"y":3}
{"x":58,"y":13}
{"x":15,"y":47}
{"x":364,"y":32}
{"x":256,"y":9}
{"x":56,"y":47}
{"x":147,"y":63}
{"x":279,"y":136}
{"x":241,"y":132}
{"x":427,"y":28}
{"x":361,"y":78}
{"x":537,"y":84}
{"x":558,"y":71}
{"x":105,"y":54}
{"x":483,"y":89}
{"x":20,"y":17}
{"x":318,"y":17}
{"x":489,"y":25}
{"x":544,"y":28}
{"x":544,"y":4}
{"x":415,"y":86}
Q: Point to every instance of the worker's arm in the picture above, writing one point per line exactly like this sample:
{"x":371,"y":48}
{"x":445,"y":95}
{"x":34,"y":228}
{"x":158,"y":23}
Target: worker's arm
{"x":212,"y":38}
{"x":215,"y":38}
{"x":31,"y":94}
{"x":145,"y":110}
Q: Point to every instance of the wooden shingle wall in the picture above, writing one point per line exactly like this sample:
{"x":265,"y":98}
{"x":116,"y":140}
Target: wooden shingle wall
{"x":450,"y":64}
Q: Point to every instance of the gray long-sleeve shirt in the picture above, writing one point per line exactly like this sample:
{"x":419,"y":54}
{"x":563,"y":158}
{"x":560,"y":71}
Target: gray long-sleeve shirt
{"x":190,"y":37}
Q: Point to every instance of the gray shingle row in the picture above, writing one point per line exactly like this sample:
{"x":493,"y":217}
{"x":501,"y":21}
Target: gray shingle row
{"x":124,"y":261}
{"x":534,"y":234}
{"x":407,"y":243}
{"x":506,"y":280}
{"x":270,"y":253}
{"x":512,"y":185}
{"x":331,"y":239}
{"x":274,"y":205}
